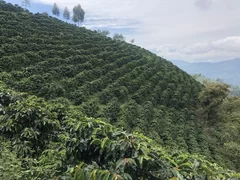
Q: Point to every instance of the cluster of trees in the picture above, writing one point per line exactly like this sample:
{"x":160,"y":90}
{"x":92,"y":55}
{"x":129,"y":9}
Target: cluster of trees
{"x":234,"y":90}
{"x":219,"y":114}
{"x":78,"y":13}
{"x":54,"y":140}
{"x":116,"y":36}
{"x":120,"y":83}
{"x":78,"y":17}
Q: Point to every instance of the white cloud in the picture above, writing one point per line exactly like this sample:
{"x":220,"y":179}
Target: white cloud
{"x":157,"y":23}
{"x":222,"y":49}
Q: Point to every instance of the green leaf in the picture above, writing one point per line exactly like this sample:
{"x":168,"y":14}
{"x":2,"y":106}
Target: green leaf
{"x":93,"y":174}
{"x":106,"y":177}
{"x":79,"y":175}
{"x":105,"y":140}
{"x":96,"y":142}
{"x":140,"y":160}
{"x":119,"y":163}
{"x":79,"y":172}
{"x":187,"y":164}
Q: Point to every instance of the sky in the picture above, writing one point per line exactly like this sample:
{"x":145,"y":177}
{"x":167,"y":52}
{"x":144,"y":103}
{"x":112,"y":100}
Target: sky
{"x":189,"y":30}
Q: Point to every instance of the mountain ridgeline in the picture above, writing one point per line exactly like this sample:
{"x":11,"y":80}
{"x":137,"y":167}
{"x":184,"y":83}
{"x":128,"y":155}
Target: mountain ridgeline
{"x":227,"y":71}
{"x":66,"y":74}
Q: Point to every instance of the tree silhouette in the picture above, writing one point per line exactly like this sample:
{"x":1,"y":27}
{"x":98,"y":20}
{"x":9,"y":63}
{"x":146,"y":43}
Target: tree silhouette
{"x":66,"y":14}
{"x":78,"y":14}
{"x":118,"y":37}
{"x":55,"y":10}
{"x":26,"y":3}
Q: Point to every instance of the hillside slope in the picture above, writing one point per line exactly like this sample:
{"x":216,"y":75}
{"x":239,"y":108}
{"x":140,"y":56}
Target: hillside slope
{"x":118,"y":82}
{"x":122,"y":84}
{"x":40,"y":140}
{"x":228,"y":71}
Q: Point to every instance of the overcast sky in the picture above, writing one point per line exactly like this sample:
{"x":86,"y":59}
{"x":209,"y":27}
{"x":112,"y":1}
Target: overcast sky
{"x":191,"y":30}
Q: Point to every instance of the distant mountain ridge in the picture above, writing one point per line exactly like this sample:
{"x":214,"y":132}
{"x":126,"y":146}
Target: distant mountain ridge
{"x":228,"y":71}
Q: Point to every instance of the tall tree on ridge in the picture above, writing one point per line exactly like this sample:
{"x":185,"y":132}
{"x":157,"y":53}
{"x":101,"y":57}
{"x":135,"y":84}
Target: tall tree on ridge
{"x":78,"y":14}
{"x":118,"y":37}
{"x":55,"y":10}
{"x":103,"y":32}
{"x":26,"y":3}
{"x":66,"y":14}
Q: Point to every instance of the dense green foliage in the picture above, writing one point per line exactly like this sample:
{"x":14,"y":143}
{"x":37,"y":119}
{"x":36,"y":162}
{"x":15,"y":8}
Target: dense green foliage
{"x":79,"y":73}
{"x":223,"y":126}
{"x":118,"y":82}
{"x":234,"y":90}
{"x":42,"y":140}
